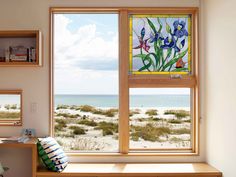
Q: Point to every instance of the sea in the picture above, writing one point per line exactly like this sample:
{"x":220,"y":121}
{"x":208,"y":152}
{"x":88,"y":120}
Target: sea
{"x":135,"y":100}
{"x":112,"y":100}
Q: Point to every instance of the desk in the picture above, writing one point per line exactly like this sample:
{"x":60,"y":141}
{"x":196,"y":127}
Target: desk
{"x":29,"y":144}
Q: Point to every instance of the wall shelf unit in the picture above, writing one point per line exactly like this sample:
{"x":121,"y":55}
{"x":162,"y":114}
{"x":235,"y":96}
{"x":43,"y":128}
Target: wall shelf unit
{"x":20,"y":48}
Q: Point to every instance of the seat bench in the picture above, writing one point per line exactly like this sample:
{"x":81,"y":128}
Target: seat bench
{"x":133,"y":170}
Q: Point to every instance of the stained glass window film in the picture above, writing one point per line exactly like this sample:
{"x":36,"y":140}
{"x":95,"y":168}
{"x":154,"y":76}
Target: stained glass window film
{"x":160,"y":44}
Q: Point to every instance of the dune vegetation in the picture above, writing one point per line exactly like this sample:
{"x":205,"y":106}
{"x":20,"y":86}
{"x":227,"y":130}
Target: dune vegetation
{"x":88,"y":128}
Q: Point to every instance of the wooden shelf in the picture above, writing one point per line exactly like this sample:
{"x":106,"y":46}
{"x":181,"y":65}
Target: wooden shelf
{"x":25,"y":38}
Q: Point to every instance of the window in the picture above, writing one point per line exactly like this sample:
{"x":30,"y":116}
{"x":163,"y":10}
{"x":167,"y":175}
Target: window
{"x":160,"y":118}
{"x":10,"y":107}
{"x":125,"y":80}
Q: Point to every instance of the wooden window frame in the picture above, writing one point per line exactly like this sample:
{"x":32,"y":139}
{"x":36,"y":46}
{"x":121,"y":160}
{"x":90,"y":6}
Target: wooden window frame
{"x":13,"y":122}
{"x":127,"y":81}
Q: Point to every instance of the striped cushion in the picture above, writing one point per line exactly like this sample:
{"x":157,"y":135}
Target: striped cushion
{"x":52,"y":154}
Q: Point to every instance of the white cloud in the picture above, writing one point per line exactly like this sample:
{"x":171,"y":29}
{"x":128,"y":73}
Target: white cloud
{"x":80,"y":57}
{"x":82,"y":45}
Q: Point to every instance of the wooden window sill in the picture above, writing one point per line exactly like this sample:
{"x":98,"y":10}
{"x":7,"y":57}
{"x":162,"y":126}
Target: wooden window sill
{"x":134,"y":169}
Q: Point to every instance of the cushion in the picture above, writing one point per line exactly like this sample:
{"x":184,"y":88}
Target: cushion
{"x":52,"y":154}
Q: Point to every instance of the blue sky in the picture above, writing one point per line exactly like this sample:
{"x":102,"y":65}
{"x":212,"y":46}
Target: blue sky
{"x":86,"y":55}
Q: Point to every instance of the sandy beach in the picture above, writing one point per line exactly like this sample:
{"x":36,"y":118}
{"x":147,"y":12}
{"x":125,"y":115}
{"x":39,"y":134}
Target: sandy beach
{"x":87,"y":128}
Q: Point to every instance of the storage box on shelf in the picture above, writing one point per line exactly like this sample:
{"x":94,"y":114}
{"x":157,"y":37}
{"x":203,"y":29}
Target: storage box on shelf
{"x":21,"y":48}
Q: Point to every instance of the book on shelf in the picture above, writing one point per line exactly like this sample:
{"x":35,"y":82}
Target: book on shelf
{"x":21,"y":53}
{"x":18,"y":58}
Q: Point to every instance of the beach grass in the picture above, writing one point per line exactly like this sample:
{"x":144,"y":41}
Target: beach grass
{"x":108,"y":128}
{"x":77,"y":130}
{"x":97,"y":128}
{"x":175,"y":121}
{"x":109,"y":112}
{"x":86,"y":108}
{"x":134,"y":111}
{"x":178,"y":113}
{"x":87,"y":122}
{"x":187,"y":120}
{"x":151,"y":119}
{"x":148,"y":132}
{"x":62,"y":106}
{"x":181,"y":131}
{"x":175,"y":139}
{"x":64,"y":135}
{"x":151,"y":112}
{"x":9,"y":115}
{"x":61,"y":123}
{"x":67,"y":115}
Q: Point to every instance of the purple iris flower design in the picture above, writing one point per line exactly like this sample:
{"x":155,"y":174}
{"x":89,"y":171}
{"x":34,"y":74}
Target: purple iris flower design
{"x":155,"y":36}
{"x":170,"y":43}
{"x":179,"y":29}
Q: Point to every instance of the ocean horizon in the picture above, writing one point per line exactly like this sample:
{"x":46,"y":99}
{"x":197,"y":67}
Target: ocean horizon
{"x":162,"y":100}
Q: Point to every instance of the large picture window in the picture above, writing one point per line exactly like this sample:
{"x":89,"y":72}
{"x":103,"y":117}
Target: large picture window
{"x":125,"y":80}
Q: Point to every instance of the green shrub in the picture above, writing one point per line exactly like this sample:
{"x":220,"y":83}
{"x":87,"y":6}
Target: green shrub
{"x":154,"y":119}
{"x":87,"y":108}
{"x":134,"y":137}
{"x":61,"y":122}
{"x":77,"y":130}
{"x":67,"y":115}
{"x":108,"y":113}
{"x":97,"y":111}
{"x":178,"y":113}
{"x":87,"y":122}
{"x":64,"y":135}
{"x":107,"y":132}
{"x":175,"y":139}
{"x":108,"y":128}
{"x":181,"y":131}
{"x":141,"y":119}
{"x":175,"y":121}
{"x":135,"y":111}
{"x":59,"y":127}
{"x":151,"y":112}
{"x":74,"y":107}
{"x":148,"y":132}
{"x":187,"y":120}
{"x":62,"y":106}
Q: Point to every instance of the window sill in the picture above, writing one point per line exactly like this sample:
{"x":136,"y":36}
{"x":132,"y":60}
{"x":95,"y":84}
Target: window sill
{"x":131,"y":154}
{"x":134,"y":169}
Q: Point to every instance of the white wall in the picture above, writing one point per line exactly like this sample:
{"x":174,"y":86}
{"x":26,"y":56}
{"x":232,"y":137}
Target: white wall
{"x":220,"y":83}
{"x":34,"y":14}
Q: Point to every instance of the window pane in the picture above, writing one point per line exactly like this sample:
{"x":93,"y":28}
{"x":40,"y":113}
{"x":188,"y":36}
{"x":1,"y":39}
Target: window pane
{"x":10,"y":109}
{"x":160,"y":118}
{"x":160,"y":44}
{"x":86,"y":82}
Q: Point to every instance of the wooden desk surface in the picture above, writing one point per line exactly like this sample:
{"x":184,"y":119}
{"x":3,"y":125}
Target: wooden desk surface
{"x":31,"y":142}
{"x":135,"y":169}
